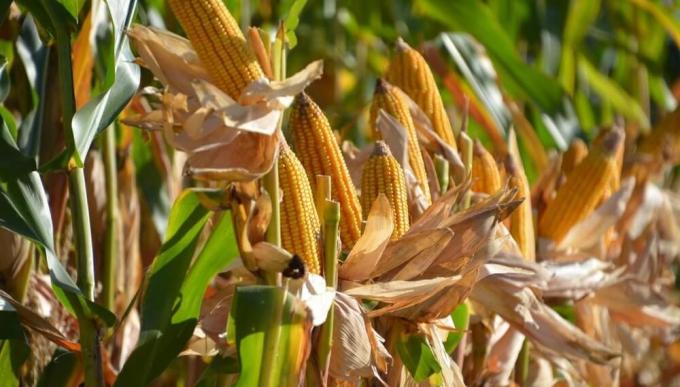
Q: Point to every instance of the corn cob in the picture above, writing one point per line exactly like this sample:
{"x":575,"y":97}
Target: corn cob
{"x":583,"y":190}
{"x":485,"y":175}
{"x":521,"y":220}
{"x":320,"y":154}
{"x":219,"y":43}
{"x":300,"y":226}
{"x":410,"y":72}
{"x":382,"y":174}
{"x":578,"y":150}
{"x":388,"y":98}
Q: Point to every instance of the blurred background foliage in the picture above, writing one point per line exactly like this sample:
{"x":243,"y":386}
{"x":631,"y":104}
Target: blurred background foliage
{"x":557,"y":69}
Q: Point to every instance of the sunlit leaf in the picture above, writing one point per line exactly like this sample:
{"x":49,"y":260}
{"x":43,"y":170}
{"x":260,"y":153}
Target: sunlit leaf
{"x":418,"y":357}
{"x":121,"y":81}
{"x":612,"y":92}
{"x":252,"y":321}
{"x":164,"y":331}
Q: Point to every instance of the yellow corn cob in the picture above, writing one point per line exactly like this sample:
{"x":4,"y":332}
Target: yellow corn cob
{"x":388,"y":98}
{"x":382,"y":174}
{"x":583,"y":190}
{"x":300,"y":226}
{"x":485,"y":175}
{"x":521,"y":220}
{"x":410,"y":72}
{"x":219,"y":43}
{"x":320,"y":154}
{"x":578,"y":150}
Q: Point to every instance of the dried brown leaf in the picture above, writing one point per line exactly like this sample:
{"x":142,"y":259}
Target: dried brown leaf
{"x":366,"y":253}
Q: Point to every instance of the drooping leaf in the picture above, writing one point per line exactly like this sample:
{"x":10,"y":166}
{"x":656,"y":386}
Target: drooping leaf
{"x":612,"y":92}
{"x":121,"y":82}
{"x":418,"y":358}
{"x":292,"y":20}
{"x":34,"y":55}
{"x":163,"y":335}
{"x":13,"y":354}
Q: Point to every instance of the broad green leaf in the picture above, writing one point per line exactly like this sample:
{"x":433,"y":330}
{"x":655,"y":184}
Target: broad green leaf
{"x":162,"y":336}
{"x":292,"y":20}
{"x":34,"y":56}
{"x":662,"y":16}
{"x":60,"y":369}
{"x":13,"y":163}
{"x":72,"y":6}
{"x":461,"y":320}
{"x":121,"y":82}
{"x":13,"y":354}
{"x":151,"y":182}
{"x":417,"y":357}
{"x":252,"y":321}
{"x":582,"y":13}
{"x":218,"y":252}
{"x":24,"y":209}
{"x":612,"y":92}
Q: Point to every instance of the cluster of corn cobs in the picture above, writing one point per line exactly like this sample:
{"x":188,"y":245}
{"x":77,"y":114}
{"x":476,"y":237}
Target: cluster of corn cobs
{"x":543,"y":222}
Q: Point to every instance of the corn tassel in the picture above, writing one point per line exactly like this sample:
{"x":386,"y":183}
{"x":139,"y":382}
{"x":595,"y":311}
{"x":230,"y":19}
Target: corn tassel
{"x":388,"y":98}
{"x":300,"y":226}
{"x":410,"y":72}
{"x":485,"y":175}
{"x":521,"y":220}
{"x":382,"y":174}
{"x":320,"y":154}
{"x":584,"y":189}
{"x":219,"y":43}
{"x":578,"y":150}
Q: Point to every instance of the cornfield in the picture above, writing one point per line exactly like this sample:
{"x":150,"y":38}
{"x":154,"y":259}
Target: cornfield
{"x":340,"y":193}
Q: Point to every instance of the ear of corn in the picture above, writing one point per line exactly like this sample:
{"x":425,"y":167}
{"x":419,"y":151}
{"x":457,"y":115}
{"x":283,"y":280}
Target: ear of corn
{"x":521,"y":220}
{"x":583,"y":190}
{"x":485,"y":175}
{"x":578,"y":150}
{"x":219,"y":43}
{"x":382,"y":174}
{"x":320,"y":154}
{"x":664,"y":140}
{"x":300,"y":226}
{"x":388,"y":98}
{"x":410,"y":72}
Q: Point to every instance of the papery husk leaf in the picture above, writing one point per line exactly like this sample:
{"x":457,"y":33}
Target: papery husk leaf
{"x":412,"y":254}
{"x":522,"y":309}
{"x":352,"y":353}
{"x":638,"y":305}
{"x":280,"y":94}
{"x":367,"y":251}
{"x":431,"y":140}
{"x":504,"y":346}
{"x":576,"y":279}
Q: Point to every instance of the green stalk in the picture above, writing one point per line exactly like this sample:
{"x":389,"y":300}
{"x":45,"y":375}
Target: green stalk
{"x":271,"y":182}
{"x":441,"y":167}
{"x":112,"y":218}
{"x":89,"y":335}
{"x":466,"y":146}
{"x":331,"y":220}
{"x":522,"y":367}
{"x":271,"y":179}
{"x":272,"y":338}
